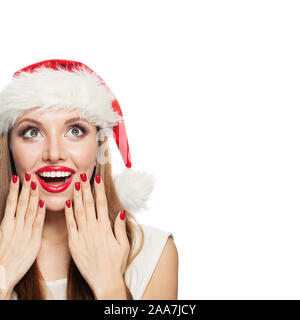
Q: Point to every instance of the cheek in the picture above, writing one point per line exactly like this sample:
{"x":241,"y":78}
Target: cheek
{"x":24,"y":157}
{"x":84,"y":154}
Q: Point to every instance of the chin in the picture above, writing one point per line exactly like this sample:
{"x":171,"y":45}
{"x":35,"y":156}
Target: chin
{"x":55,"y":205}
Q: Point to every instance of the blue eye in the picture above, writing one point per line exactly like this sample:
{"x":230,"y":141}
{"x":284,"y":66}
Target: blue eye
{"x":33,"y":129}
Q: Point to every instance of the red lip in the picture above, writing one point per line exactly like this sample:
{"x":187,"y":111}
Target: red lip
{"x":51,"y":188}
{"x":55,"y":168}
{"x":54,"y":189}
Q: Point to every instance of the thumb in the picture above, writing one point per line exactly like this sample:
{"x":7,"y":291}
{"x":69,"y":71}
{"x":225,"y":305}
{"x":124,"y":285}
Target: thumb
{"x":120,"y":229}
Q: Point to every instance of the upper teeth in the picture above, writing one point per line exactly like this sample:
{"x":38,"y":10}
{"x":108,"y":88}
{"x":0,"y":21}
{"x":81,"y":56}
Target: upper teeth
{"x":54,"y":174}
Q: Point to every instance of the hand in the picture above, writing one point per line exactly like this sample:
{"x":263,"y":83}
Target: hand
{"x":100,"y":256}
{"x":20,"y":233}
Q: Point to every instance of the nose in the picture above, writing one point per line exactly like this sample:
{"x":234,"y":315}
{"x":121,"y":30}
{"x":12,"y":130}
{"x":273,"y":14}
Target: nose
{"x":54,"y":149}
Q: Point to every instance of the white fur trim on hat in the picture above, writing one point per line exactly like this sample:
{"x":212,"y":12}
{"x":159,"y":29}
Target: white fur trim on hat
{"x":48,"y":88}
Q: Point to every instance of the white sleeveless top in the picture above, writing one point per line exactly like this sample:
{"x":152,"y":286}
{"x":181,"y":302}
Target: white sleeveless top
{"x":137,"y":275}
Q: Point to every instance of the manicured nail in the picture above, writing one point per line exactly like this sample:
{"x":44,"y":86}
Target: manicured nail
{"x":97,"y":178}
{"x":68,"y":203}
{"x":14,"y":178}
{"x":123,"y":215}
{"x":77,"y":186}
{"x":27,"y":176}
{"x":33,"y":185}
{"x":83,"y":177}
{"x":41,"y":203}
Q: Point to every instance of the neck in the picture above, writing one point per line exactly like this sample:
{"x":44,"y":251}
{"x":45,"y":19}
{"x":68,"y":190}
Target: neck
{"x":54,"y":254}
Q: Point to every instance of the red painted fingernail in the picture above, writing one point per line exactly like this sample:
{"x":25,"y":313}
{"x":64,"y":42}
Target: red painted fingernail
{"x":97,"y":178}
{"x":27,"y":176}
{"x":77,"y":186}
{"x":33,"y":185}
{"x":123,"y":215}
{"x":68,"y":203}
{"x":41,"y":203}
{"x":83,"y":177}
{"x":14,"y":178}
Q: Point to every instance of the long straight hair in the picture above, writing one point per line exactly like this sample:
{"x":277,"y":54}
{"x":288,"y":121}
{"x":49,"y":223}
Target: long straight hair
{"x":32,"y":286}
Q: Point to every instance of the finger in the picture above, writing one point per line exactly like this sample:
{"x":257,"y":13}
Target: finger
{"x":78,"y":206}
{"x":23,"y":199}
{"x":70,"y":220}
{"x":33,"y":204}
{"x":38,"y":222}
{"x":88,"y":199}
{"x":101,"y":203}
{"x":120,"y":231}
{"x":11,"y":201}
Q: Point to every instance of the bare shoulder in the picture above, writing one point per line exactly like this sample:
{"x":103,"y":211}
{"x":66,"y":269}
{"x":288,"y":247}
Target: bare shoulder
{"x":163,"y":284}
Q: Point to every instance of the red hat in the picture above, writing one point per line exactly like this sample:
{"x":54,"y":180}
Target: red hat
{"x":55,"y":84}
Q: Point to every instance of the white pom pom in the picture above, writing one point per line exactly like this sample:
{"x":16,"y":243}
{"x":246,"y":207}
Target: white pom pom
{"x":134,"y":188}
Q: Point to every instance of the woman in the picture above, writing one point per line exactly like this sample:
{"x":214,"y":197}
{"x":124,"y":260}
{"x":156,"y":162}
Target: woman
{"x":67,"y":226}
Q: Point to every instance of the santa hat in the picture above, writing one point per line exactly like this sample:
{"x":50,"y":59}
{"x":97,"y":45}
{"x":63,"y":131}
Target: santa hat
{"x":71,"y":85}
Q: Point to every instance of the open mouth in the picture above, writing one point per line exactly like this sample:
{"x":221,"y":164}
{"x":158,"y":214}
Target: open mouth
{"x":56,"y":181}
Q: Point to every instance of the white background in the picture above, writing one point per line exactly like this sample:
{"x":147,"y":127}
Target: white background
{"x":210,"y":97}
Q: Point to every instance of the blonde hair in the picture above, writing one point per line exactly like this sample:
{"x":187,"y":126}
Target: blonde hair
{"x":30,"y":286}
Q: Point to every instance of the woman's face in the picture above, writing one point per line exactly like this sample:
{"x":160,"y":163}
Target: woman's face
{"x":53,"y":141}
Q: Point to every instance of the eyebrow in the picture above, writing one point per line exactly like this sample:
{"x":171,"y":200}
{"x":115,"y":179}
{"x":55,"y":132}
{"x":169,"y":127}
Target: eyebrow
{"x":66,"y":122}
